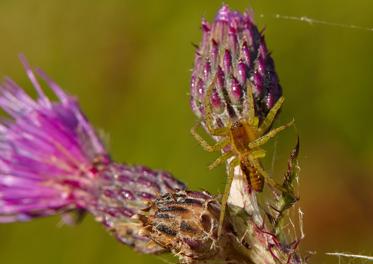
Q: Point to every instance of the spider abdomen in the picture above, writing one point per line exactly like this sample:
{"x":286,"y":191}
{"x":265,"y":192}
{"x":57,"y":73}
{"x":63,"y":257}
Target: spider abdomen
{"x":254,"y":179}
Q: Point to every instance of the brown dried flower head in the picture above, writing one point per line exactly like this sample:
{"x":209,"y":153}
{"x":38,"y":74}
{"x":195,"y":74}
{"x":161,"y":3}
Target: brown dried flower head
{"x":187,"y":223}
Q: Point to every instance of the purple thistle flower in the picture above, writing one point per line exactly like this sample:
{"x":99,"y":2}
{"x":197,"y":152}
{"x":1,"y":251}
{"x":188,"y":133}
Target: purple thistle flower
{"x":52,"y":161}
{"x":233,"y":54}
{"x":46,"y":152}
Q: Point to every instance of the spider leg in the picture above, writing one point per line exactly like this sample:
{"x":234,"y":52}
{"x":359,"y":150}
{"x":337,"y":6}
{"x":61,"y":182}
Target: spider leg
{"x":217,"y":131}
{"x":258,"y":153}
{"x":267,"y":122}
{"x":205,"y":145}
{"x":264,"y":139}
{"x":253,"y":120}
{"x":227,"y":189}
{"x":208,"y":113}
{"x":220,"y":160}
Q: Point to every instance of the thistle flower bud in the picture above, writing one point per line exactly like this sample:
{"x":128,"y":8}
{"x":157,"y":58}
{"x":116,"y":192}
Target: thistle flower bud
{"x":232,"y":55}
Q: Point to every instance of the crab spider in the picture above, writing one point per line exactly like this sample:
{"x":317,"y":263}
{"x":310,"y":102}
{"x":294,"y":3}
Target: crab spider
{"x":244,"y":137}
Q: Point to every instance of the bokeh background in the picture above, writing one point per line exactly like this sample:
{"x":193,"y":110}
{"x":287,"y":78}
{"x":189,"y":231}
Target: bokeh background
{"x":129,"y":64}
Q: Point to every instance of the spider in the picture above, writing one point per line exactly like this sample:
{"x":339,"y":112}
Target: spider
{"x":244,"y":138}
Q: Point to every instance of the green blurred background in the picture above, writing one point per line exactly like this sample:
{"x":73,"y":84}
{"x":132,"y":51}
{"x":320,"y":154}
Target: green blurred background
{"x":129,"y":64}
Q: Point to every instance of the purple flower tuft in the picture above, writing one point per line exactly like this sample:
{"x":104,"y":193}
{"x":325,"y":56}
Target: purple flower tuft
{"x":46,"y":152}
{"x":231,"y":56}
